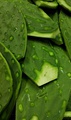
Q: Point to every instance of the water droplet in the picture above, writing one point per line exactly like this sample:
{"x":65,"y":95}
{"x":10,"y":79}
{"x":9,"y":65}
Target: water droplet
{"x":33,"y":46}
{"x":18,"y":56}
{"x":34,"y":118}
{"x":29,"y":99}
{"x":46,"y":98}
{"x":35,"y":57}
{"x":59,"y":111}
{"x":32,"y":104}
{"x":22,"y":66}
{"x":11,"y":38}
{"x":26,"y":90}
{"x":23,"y":118}
{"x":62,"y":20}
{"x":13,"y":61}
{"x":69,"y":74}
{"x":58,"y":85}
{"x":55,"y":81}
{"x":9,"y":90}
{"x":17,"y":74}
{"x":56,"y":61}
{"x":7,"y":78}
{"x":64,"y":104}
{"x":22,"y":25}
{"x":44,"y":48}
{"x":48,"y":114}
{"x":61,"y":69}
{"x":51,"y":53}
{"x":20,"y":107}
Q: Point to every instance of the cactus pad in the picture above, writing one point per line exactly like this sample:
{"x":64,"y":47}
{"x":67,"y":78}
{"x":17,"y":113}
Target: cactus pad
{"x":6,"y":83}
{"x":65,"y":4}
{"x":16,"y":75}
{"x":13,"y":31}
{"x":47,"y":102}
{"x":46,"y":3}
{"x":38,"y":22}
{"x":65,"y":26}
{"x":40,"y":62}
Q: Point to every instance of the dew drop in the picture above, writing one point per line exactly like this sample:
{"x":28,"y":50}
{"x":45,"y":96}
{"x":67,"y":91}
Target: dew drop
{"x":9,"y":90}
{"x":44,"y":48}
{"x":23,"y":118}
{"x":22,"y":25}
{"x":17,"y":74}
{"x":69,"y":74}
{"x":56,"y":61}
{"x":20,"y":107}
{"x":61,"y":69}
{"x":33,"y":46}
{"x":48,"y":114}
{"x":13,"y":61}
{"x":34,"y":118}
{"x":18,"y":56}
{"x":62,"y":20}
{"x":32,"y":104}
{"x":35,"y":57}
{"x":22,"y":66}
{"x":11,"y":38}
{"x":45,"y":98}
{"x":7,"y":78}
{"x":51,"y":53}
{"x":59,"y":111}
{"x":26,"y":90}
{"x":64,"y":104}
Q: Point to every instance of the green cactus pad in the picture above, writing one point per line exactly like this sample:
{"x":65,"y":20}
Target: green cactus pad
{"x":65,"y":26}
{"x":16,"y":75}
{"x":49,"y":101}
{"x":40,"y":62}
{"x":46,"y":3}
{"x":6,"y":83}
{"x":13,"y":31}
{"x":65,"y":4}
{"x":38,"y":22}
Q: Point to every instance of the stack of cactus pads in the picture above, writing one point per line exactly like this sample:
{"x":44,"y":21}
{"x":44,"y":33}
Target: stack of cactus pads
{"x":35,"y":59}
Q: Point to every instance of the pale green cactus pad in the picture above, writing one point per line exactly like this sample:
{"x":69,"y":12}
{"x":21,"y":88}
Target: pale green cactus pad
{"x":13,"y":31}
{"x":6,"y":83}
{"x":46,"y":3}
{"x":16,"y":75}
{"x":65,"y":4}
{"x":38,"y":22}
{"x":40,"y":63}
{"x":47,"y":102}
{"x":65,"y":26}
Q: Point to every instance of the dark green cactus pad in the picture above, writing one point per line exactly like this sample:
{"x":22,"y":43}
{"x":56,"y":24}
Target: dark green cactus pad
{"x":38,"y":22}
{"x":16,"y":75}
{"x":55,"y":17}
{"x":6,"y":83}
{"x":65,"y":26}
{"x":13,"y":31}
{"x":47,"y":3}
{"x":65,"y":4}
{"x":40,"y":63}
{"x":49,"y":101}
